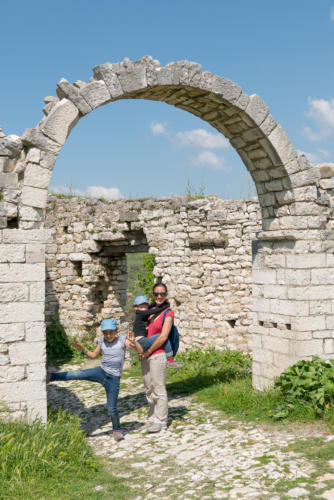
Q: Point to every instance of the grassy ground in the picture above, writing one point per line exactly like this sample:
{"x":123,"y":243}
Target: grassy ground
{"x":53,"y":462}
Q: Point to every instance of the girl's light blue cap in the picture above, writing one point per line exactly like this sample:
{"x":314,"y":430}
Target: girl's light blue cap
{"x":141,"y":299}
{"x":109,"y":324}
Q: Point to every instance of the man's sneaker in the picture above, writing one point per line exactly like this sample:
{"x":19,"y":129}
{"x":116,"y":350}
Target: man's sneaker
{"x":171,"y":363}
{"x":118,"y":435}
{"x":154,"y":428}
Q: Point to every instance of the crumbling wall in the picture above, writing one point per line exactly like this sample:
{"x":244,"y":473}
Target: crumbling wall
{"x":202,"y":249}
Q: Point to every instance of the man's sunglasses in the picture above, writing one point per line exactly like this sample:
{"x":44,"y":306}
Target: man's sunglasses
{"x":156,"y":294}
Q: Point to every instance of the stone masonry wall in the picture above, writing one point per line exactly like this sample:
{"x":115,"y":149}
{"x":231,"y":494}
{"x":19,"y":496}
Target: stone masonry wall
{"x":202,"y":249}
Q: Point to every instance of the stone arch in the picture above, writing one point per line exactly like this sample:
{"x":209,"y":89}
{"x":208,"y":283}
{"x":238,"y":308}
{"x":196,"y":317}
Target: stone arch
{"x":293,"y":281}
{"x":245,"y":120}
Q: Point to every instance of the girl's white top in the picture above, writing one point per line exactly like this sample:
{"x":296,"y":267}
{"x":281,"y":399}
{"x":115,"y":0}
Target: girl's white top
{"x":112,"y":355}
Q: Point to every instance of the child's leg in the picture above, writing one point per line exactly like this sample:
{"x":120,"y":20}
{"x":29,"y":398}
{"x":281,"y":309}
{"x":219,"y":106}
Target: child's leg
{"x":91,"y":374}
{"x":168,"y":349}
{"x":111,"y":385}
{"x":146,"y":342}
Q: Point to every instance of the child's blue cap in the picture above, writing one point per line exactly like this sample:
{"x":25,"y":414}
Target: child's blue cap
{"x":141,"y":299}
{"x":109,"y":324}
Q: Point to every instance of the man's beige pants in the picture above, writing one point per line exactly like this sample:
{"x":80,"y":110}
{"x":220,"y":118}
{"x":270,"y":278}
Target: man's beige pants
{"x":154,"y":376}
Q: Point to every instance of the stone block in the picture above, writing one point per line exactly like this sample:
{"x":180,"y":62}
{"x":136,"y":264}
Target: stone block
{"x":23,"y":353}
{"x":12,"y":253}
{"x":106,"y":72}
{"x":268,"y":125}
{"x":35,"y":331}
{"x":328,"y":346}
{"x":33,"y":155}
{"x":37,"y":292}
{"x":31,"y":214}
{"x":36,"y":371}
{"x":308,"y":323}
{"x":65,"y":89}
{"x":21,"y":273}
{"x":11,"y":332}
{"x":132,"y":76}
{"x":34,"y":137}
{"x":9,"y":180}
{"x":95,"y":94}
{"x":322,"y":276}
{"x":34,"y":197}
{"x":22,"y":391}
{"x":10,"y":146}
{"x":36,"y":176}
{"x":35,"y":253}
{"x":37,"y":409}
{"x":312,"y":347}
{"x":8,"y":210}
{"x":30,"y":236}
{"x":13,"y":292}
{"x":289,"y":307}
{"x":257,"y":109}
{"x":22,"y":312}
{"x":282,"y":144}
{"x":293,"y":277}
{"x":60,"y":121}
{"x":226,"y":89}
{"x":275,"y":291}
{"x":81,"y":257}
{"x":276,"y":344}
{"x":47,"y":160}
{"x":306,"y":261}
{"x":12,"y":374}
{"x":262,"y":277}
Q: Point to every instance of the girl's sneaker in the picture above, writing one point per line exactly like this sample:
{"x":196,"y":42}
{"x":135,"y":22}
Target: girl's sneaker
{"x":118,"y":435}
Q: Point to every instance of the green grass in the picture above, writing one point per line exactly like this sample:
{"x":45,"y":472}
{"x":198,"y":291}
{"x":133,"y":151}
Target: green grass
{"x":222,"y":380}
{"x":53,"y":461}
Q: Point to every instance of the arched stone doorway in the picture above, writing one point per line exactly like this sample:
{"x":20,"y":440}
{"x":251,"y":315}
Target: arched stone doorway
{"x":292,"y":258}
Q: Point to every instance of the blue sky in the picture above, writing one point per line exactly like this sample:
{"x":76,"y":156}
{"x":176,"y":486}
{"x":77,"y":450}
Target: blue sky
{"x":281,"y":51}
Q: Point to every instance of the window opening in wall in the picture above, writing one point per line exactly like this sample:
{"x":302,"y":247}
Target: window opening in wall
{"x":274,"y":325}
{"x":140,"y":279}
{"x":78,"y":268}
{"x":261,"y":323}
{"x":231,"y":322}
{"x":13,"y":223}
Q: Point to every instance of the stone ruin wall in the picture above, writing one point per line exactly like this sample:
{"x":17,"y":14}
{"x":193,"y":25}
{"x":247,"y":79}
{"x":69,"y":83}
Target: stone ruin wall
{"x":202,"y":249}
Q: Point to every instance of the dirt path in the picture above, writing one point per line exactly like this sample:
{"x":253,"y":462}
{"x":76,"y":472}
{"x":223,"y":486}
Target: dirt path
{"x":200,"y":456}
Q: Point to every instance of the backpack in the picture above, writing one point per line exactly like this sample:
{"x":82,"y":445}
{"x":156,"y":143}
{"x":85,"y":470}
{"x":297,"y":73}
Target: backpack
{"x":173,"y":337}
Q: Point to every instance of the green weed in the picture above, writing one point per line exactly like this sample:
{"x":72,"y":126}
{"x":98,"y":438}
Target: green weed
{"x":51,"y":461}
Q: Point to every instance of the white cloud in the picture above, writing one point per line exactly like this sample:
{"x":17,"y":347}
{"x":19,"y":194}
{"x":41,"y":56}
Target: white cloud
{"x":332,"y":14}
{"x":158,"y":128}
{"x":200,"y":138}
{"x":91,"y":191}
{"x":208,"y":159}
{"x":321,"y":112}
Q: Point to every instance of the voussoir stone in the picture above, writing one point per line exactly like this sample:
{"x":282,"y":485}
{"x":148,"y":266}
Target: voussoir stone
{"x":106,"y":72}
{"x":95,"y":94}
{"x":65,"y":89}
{"x":257,"y":109}
{"x":60,"y":121}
